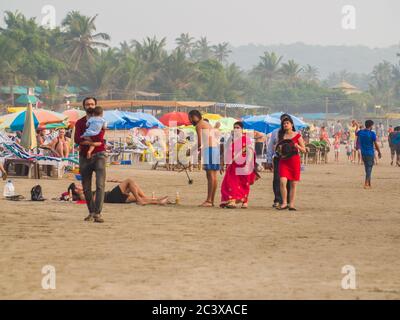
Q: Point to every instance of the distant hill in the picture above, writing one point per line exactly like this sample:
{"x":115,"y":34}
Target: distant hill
{"x":356,"y":59}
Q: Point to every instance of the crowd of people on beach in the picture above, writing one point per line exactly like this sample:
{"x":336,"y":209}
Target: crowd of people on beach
{"x":231,"y":154}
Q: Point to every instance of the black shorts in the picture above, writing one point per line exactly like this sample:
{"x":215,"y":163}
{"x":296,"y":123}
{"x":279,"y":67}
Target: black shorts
{"x":115,"y":196}
{"x":259,"y":148}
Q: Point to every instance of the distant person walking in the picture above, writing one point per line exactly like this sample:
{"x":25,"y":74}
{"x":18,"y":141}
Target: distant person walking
{"x":394,"y":144}
{"x":368,"y":144}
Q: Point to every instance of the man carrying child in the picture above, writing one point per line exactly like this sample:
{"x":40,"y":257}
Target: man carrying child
{"x":92,"y":157}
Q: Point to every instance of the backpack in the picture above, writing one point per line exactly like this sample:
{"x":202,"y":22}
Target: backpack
{"x":36,"y":193}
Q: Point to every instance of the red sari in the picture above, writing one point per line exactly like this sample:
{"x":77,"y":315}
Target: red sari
{"x":240,"y":174}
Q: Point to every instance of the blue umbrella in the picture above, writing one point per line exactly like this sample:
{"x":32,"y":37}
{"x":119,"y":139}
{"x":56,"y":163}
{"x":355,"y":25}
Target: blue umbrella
{"x":299,"y":124}
{"x":141,"y":120}
{"x":115,"y":120}
{"x":263,"y":123}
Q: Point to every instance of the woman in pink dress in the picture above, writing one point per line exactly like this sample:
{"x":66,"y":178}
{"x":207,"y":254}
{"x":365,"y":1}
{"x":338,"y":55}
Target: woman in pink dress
{"x":240,"y":170}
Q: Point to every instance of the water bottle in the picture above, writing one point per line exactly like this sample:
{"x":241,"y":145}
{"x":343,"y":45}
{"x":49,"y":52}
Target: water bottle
{"x":9,"y":190}
{"x":178,"y":198}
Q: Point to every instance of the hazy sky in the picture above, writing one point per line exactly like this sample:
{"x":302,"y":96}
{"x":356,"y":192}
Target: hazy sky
{"x":236,"y":21}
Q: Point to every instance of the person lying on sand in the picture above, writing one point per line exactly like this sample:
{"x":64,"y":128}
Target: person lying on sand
{"x":127,"y":191}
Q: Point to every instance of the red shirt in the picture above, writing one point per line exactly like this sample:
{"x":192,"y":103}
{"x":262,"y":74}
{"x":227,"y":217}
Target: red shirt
{"x":80,"y":128}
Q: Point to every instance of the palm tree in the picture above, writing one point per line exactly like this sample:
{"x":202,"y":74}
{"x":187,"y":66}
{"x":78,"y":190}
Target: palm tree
{"x":236,"y":83}
{"x":203,"y":50}
{"x":221,"y":51}
{"x":82,"y":39}
{"x":151,"y":50}
{"x":382,"y":75}
{"x":103,"y":74}
{"x":132,"y":75}
{"x":185,"y":43}
{"x":291,"y":71}
{"x":177,"y":73}
{"x":310,"y":74}
{"x":268,"y":68}
{"x":382,"y":82}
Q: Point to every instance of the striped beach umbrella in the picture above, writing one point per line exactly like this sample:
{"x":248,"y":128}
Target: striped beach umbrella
{"x":42,"y":117}
{"x":73,"y":116}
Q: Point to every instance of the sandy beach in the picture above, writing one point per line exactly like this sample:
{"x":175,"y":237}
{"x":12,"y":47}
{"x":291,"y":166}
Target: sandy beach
{"x":186,"y":252}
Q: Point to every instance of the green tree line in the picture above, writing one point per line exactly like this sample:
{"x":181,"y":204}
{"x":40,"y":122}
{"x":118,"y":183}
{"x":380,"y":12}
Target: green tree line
{"x":77,"y":54}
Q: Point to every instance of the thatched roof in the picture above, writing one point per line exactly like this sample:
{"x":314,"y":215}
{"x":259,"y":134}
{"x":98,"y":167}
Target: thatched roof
{"x":344,"y":85}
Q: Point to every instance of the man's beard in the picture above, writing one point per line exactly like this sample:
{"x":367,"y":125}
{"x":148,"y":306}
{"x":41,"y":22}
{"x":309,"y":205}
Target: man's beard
{"x":89,"y":111}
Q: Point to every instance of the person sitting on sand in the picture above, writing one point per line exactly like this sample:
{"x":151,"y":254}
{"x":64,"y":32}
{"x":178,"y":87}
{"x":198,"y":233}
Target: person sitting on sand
{"x":127,"y":191}
{"x":60,"y":147}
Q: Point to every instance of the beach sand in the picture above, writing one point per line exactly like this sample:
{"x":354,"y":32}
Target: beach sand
{"x":186,"y":252}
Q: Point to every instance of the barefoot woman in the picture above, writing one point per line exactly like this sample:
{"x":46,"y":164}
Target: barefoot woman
{"x":240,"y":171}
{"x":289,"y":167}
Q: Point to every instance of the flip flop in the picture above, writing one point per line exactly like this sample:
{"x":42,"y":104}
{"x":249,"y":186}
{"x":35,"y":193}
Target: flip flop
{"x":282,"y":208}
{"x":206,"y":204}
{"x":292,"y":209}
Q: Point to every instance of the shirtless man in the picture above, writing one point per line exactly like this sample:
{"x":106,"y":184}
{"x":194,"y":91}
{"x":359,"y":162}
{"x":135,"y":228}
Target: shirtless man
{"x":208,"y":146}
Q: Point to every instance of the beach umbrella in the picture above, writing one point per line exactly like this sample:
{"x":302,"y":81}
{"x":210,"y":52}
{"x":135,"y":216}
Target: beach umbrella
{"x":226,"y":123}
{"x":141,"y":120}
{"x":262,"y":123}
{"x":28,"y":139}
{"x":46,"y":117}
{"x":175,"y":118}
{"x":16,"y":121}
{"x":74,"y":115}
{"x":298,"y":123}
{"x":115,"y":120}
{"x":60,"y":125}
{"x":25,"y":99}
{"x":42,"y":117}
{"x":212,"y":116}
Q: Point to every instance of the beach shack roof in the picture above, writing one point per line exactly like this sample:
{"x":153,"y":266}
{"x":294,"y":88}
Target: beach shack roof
{"x":346,"y":87}
{"x":112,"y":104}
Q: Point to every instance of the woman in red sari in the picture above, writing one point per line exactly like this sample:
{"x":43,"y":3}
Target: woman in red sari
{"x":240,"y":170}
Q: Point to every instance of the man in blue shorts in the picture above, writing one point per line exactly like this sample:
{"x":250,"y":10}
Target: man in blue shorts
{"x":209,"y":147}
{"x":367,"y":141}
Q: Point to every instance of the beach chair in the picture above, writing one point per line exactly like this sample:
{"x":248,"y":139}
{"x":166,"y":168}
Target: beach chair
{"x":58,"y":164}
{"x":312,"y":154}
{"x":324,"y":149}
